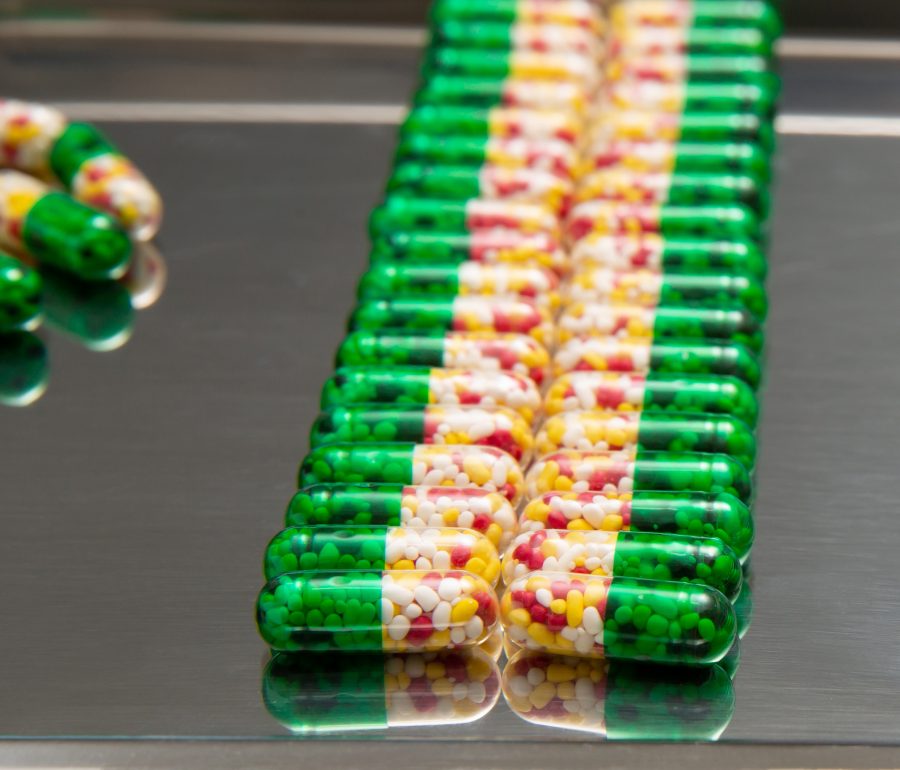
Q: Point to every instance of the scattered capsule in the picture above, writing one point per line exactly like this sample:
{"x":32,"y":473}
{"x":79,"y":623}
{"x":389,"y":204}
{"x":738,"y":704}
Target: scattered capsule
{"x":381,"y":548}
{"x":660,"y":41}
{"x":622,"y":473}
{"x":363,"y":611}
{"x":325,"y":694}
{"x":428,"y":385}
{"x":24,"y":368}
{"x":618,"y":618}
{"x":494,"y":35}
{"x":482,"y":351}
{"x":20,"y":295}
{"x":702,"y":96}
{"x":27,"y":134}
{"x":687,"y":357}
{"x":575,"y":13}
{"x":556,"y":67}
{"x":632,"y":392}
{"x":438,"y":424}
{"x":647,"y":555}
{"x":398,"y":505}
{"x":714,"y":15}
{"x":59,"y":231}
{"x":512,"y":92}
{"x":453,"y":466}
{"x":461,"y":314}
{"x":689,"y":514}
{"x":618,"y":700}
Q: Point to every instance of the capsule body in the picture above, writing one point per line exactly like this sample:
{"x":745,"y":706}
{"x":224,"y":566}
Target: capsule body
{"x":500,"y":122}
{"x":510,"y":92}
{"x":426,"y":385}
{"x":695,"y":96}
{"x":492,"y":63}
{"x":20,"y":295}
{"x":570,"y":13}
{"x":437,"y":424}
{"x":676,"y":68}
{"x":644,"y":40}
{"x":399,"y":505}
{"x":27,"y":134}
{"x":632,"y":392}
{"x":375,"y":611}
{"x":714,"y":15}
{"x":623,"y":473}
{"x":454,"y":466}
{"x":543,"y":37}
{"x":690,"y":514}
{"x":618,"y":618}
{"x":482,"y":351}
{"x":381,"y":548}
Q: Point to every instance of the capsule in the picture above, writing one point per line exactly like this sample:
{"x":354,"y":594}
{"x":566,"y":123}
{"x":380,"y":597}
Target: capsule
{"x":426,"y":385}
{"x":721,"y":97}
{"x":460,"y":314}
{"x":647,"y":555}
{"x":386,"y":280}
{"x":739,"y":158}
{"x":481,"y":351}
{"x":678,"y":190}
{"x":438,"y":424}
{"x":600,"y":319}
{"x":687,"y":357}
{"x":24,"y":368}
{"x":602,"y":217}
{"x":549,"y":155}
{"x":410,"y":507}
{"x":618,"y":618}
{"x":404,"y":463}
{"x":681,"y":68}
{"x":323,"y":694}
{"x":512,"y":92}
{"x":557,"y":67}
{"x":570,"y":13}
{"x":714,"y":15}
{"x":363,"y":611}
{"x":672,"y":393}
{"x":670,"y":255}
{"x":492,"y":247}
{"x":618,"y":700}
{"x":89,"y":165}
{"x":59,"y":231}
{"x":648,"y":288}
{"x":27,"y":134}
{"x":595,"y":429}
{"x":639,"y":40}
{"x":488,"y":182}
{"x":381,"y":548}
{"x":622,"y":473}
{"x":689,"y":514}
{"x":494,"y":35}
{"x":20,"y":295}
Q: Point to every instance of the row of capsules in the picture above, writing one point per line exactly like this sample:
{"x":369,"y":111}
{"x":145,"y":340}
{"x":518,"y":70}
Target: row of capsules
{"x":438,"y":393}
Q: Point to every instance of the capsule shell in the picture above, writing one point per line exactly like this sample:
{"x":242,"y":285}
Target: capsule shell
{"x":381,"y":548}
{"x":575,"y":13}
{"x":632,"y":392}
{"x":639,"y":40}
{"x":683,"y":68}
{"x":27,"y":134}
{"x":555,"y":67}
{"x":524,"y":93}
{"x":623,"y":473}
{"x":20,"y":294}
{"x":493,"y":426}
{"x":540,"y":37}
{"x":24,"y":368}
{"x":714,"y":15}
{"x":459,"y":466}
{"x":363,"y":611}
{"x":689,"y":514}
{"x":399,"y":505}
{"x":499,"y":122}
{"x":618,"y":618}
{"x":646,"y":555}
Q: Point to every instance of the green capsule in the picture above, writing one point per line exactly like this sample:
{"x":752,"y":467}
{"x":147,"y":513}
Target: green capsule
{"x":731,"y":325}
{"x":725,"y":127}
{"x":24,"y":368}
{"x":20,"y":295}
{"x":694,"y":68}
{"x":77,"y":144}
{"x":441,"y":89}
{"x":499,"y":64}
{"x":577,"y":13}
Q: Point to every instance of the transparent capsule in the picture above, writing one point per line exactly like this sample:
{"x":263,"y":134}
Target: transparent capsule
{"x":595,"y":429}
{"x":690,"y":514}
{"x":482,"y":351}
{"x":647,"y":555}
{"x":618,"y":618}
{"x":688,"y":357}
{"x":574,"y":13}
{"x":618,"y":700}
{"x":370,"y":611}
{"x":412,"y":464}
{"x":556,"y":67}
{"x":613,"y":218}
{"x":626,"y":472}
{"x":549,"y":155}
{"x":323,"y":694}
{"x":460,"y":314}
{"x":89,"y":165}
{"x":381,"y":548}
{"x":487,"y":182}
{"x":386,"y":280}
{"x":27,"y":134}
{"x":599,"y":319}
{"x":438,"y":424}
{"x":683,"y":68}
{"x":498,"y":122}
{"x":511,"y":92}
{"x":542,"y":37}
{"x":715,"y":15}
{"x":641,"y":40}
{"x":399,"y":505}
{"x":20,"y":294}
{"x":24,"y":368}
{"x":59,"y":231}
{"x":669,"y":255}
{"x":493,"y":247}
{"x":426,"y":385}
{"x":672,"y":393}
{"x":703,"y":96}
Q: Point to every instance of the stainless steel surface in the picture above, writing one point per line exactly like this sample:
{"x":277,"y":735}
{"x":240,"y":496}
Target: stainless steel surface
{"x":138,"y":493}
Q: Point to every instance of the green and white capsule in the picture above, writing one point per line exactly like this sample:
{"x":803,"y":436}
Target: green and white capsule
{"x":498,"y":122}
{"x":502,"y":36}
{"x":525,"y":93}
{"x":693,"y":96}
{"x":713,"y":15}
{"x":645,"y":40}
{"x":582,"y":14}
{"x":553,"y":67}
